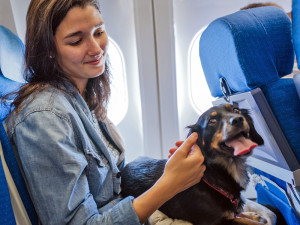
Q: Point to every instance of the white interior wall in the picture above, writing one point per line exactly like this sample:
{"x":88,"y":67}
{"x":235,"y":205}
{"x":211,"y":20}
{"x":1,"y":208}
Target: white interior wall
{"x":6,"y":16}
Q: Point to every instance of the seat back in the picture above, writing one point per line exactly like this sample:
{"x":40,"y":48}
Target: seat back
{"x":296,"y":39}
{"x":11,"y":78}
{"x":11,"y":65}
{"x":245,"y":57}
{"x":296,"y":29}
{"x":249,"y":52}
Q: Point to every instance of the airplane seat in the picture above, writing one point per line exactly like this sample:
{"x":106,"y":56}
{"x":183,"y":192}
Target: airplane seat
{"x":296,"y":39}
{"x":6,"y":211}
{"x":11,"y":78}
{"x":11,"y":65}
{"x":245,"y":56}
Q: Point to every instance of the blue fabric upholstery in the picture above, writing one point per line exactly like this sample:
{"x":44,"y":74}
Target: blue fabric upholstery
{"x":284,"y":101}
{"x":11,"y":76}
{"x":6,"y":211}
{"x":296,"y":28}
{"x":264,"y":196}
{"x":11,"y":65}
{"x":6,"y":86}
{"x":11,"y":55}
{"x":17,"y":176}
{"x":252,"y":48}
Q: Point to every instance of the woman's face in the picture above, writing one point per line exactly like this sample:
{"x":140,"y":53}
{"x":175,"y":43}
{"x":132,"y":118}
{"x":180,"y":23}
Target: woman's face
{"x":81,"y":43}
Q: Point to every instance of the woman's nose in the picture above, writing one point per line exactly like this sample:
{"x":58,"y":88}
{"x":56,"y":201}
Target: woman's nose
{"x":94,"y":47}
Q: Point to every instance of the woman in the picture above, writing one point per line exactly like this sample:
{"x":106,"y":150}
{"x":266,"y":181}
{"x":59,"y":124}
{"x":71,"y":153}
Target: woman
{"x":69,"y":151}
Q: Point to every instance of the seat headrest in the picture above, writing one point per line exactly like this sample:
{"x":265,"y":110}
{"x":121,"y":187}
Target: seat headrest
{"x":248,"y":48}
{"x":11,"y":56}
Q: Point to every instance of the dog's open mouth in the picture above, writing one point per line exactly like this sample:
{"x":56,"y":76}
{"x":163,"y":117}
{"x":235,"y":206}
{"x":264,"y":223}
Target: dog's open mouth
{"x":241,"y":144}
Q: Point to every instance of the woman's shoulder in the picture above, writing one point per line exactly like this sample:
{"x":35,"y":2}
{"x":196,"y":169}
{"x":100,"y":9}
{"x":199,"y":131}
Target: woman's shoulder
{"x":49,"y":99}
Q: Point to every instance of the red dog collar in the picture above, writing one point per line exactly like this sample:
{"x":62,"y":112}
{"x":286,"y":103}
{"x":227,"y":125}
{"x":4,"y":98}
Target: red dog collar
{"x":233,"y":200}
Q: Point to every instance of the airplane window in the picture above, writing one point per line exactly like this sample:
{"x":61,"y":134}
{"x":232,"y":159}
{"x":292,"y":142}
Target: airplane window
{"x":199,"y":92}
{"x":118,"y":102}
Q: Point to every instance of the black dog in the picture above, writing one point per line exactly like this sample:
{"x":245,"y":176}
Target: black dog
{"x":226,"y":136}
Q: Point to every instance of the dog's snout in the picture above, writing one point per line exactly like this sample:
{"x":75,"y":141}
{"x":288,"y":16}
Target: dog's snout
{"x":236,"y":121}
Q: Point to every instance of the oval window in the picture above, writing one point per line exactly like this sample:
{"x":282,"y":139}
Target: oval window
{"x":199,"y":92}
{"x":118,"y":102}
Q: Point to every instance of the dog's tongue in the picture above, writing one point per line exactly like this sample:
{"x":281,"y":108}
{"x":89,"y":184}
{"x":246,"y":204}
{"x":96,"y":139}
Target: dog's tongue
{"x":241,"y":145}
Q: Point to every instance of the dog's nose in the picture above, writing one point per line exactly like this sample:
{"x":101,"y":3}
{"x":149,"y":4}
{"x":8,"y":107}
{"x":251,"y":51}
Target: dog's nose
{"x":236,"y":121}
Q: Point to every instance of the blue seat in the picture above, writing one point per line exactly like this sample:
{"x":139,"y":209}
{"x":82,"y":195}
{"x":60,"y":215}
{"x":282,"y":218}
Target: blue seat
{"x":245,"y":56}
{"x":11,"y":65}
{"x":296,"y":39}
{"x":11,"y":78}
{"x":6,"y":211}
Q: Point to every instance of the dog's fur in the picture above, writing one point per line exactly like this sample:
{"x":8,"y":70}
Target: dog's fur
{"x":201,"y":204}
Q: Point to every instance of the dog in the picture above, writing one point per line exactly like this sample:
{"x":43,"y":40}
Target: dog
{"x":226,"y":137}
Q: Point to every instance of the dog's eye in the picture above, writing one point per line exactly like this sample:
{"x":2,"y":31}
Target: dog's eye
{"x":236,"y":111}
{"x":212,"y":122}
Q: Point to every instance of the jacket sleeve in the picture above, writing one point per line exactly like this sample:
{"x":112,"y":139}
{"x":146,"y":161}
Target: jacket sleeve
{"x":55,"y":170}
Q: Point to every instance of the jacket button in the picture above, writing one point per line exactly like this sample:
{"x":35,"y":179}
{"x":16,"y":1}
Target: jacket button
{"x":118,"y":175}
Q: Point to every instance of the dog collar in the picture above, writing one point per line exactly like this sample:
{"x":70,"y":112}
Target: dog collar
{"x":235,"y":201}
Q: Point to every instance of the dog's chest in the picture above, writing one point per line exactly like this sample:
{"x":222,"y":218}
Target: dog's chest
{"x":235,"y":169}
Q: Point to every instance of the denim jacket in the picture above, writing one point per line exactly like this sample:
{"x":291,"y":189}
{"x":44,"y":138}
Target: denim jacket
{"x":63,"y":158}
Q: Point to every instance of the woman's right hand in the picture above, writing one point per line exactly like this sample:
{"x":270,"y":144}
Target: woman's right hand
{"x":185,"y":167}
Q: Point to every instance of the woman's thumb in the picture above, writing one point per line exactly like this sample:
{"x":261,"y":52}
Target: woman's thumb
{"x":187,"y":145}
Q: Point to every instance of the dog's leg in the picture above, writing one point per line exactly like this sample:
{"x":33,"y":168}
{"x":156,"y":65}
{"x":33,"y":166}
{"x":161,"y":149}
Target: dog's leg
{"x":254,"y":209}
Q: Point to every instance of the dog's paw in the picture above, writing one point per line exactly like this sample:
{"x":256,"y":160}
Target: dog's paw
{"x":159,"y":218}
{"x":267,"y":214}
{"x":254,"y":216}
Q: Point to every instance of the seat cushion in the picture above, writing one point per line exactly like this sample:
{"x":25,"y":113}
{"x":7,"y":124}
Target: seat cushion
{"x":248,"y":48}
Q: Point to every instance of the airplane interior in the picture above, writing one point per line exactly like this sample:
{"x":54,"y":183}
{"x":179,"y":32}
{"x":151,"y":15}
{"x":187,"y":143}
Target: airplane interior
{"x":244,"y":57}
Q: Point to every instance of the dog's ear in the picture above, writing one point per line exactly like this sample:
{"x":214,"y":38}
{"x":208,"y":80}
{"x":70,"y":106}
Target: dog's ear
{"x":199,"y":130}
{"x":253,"y":133}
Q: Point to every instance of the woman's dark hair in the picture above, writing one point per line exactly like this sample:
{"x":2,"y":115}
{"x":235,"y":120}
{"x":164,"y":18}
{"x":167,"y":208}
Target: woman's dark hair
{"x":43,"y":18}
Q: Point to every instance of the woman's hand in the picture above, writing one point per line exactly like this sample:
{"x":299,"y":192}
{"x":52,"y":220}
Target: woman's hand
{"x":185,"y":167}
{"x":172,"y":150}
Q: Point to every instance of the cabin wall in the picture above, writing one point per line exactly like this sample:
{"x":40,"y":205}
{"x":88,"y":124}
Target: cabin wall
{"x":6,"y":16}
{"x":154,"y":37}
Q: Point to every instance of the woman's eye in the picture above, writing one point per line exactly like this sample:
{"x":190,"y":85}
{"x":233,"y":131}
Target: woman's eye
{"x":236,"y":111}
{"x":75,"y":43}
{"x":99,"y":33}
{"x":212,"y":122}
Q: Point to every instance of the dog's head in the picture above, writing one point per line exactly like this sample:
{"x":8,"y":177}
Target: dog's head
{"x":226,"y":131}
